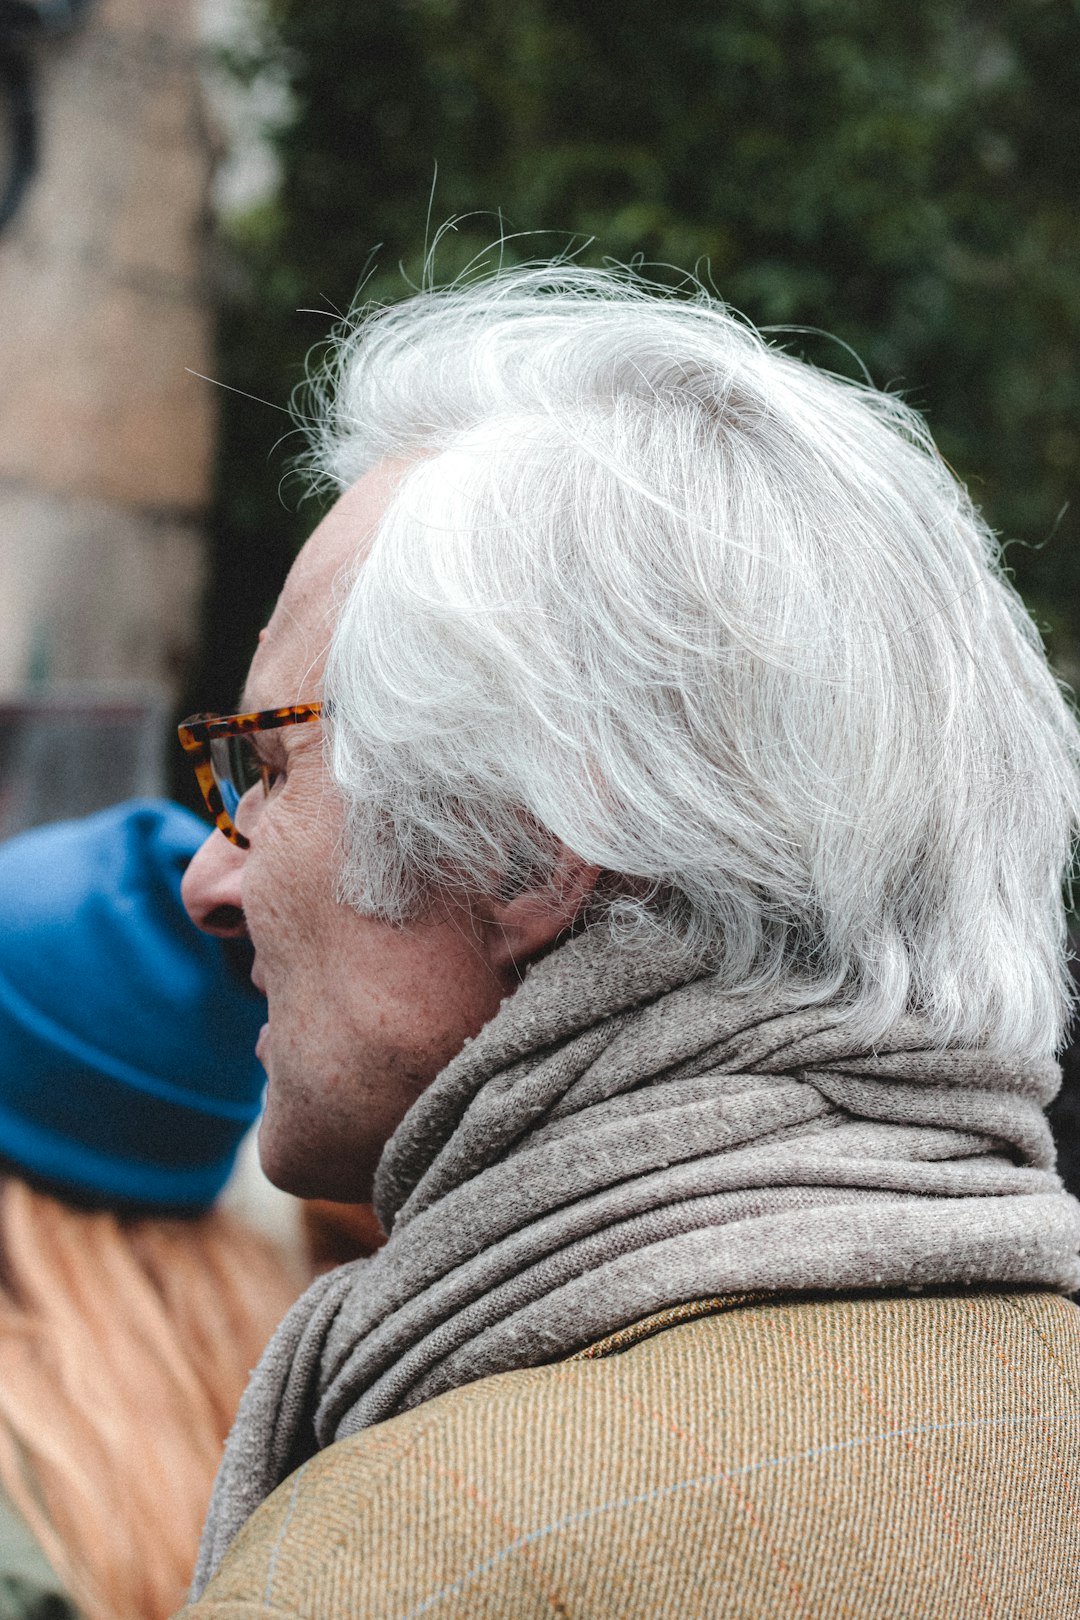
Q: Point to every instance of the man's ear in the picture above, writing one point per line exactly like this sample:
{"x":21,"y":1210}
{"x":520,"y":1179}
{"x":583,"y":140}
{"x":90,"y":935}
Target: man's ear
{"x":519,"y":929}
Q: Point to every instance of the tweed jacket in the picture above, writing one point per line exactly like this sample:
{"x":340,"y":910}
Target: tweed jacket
{"x":866,"y":1457}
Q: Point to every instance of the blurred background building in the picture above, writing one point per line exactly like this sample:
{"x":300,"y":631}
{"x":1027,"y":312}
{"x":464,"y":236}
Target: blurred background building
{"x":106,"y":439}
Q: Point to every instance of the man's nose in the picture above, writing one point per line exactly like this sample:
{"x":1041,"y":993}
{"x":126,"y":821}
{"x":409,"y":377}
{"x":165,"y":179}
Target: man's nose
{"x":211,"y":888}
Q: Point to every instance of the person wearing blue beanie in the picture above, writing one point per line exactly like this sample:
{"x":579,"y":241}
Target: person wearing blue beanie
{"x":130,"y":1310}
{"x":127,"y":1067}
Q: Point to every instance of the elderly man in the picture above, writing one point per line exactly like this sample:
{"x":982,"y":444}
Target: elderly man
{"x":650,"y":825}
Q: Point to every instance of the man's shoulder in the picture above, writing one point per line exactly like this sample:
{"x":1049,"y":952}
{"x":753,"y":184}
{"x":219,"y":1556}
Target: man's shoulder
{"x":736,"y":1457}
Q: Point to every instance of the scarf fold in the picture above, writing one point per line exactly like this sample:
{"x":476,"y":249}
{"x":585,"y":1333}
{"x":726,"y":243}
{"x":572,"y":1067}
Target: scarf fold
{"x":616,"y":1141}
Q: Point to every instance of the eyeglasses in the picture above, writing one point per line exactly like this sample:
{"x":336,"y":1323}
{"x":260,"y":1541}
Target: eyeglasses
{"x":226,"y":762}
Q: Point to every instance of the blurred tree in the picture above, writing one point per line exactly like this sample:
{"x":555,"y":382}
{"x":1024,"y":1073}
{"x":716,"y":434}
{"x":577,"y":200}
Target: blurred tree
{"x":901,"y":177}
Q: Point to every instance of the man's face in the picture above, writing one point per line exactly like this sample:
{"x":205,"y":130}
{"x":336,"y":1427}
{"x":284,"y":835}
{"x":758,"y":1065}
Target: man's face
{"x":362,"y":1014}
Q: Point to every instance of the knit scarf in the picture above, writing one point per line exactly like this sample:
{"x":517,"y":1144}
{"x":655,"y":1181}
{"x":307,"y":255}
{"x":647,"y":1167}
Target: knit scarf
{"x":618,"y":1140}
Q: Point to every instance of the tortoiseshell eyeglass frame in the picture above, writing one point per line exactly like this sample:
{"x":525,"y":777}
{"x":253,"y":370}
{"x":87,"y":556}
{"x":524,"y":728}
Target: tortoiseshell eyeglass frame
{"x":198,"y":731}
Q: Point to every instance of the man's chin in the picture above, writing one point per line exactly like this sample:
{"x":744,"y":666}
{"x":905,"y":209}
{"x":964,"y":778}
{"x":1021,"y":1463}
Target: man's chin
{"x":302,"y":1167}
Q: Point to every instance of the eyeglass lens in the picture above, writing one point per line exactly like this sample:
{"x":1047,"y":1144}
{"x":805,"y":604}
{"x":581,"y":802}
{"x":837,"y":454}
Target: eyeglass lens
{"x":236,"y":766}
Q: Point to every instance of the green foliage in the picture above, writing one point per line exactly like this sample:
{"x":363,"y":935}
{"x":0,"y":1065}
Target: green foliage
{"x":903,"y":177}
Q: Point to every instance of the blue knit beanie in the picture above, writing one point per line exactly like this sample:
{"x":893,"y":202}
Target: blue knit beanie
{"x":127,"y":1067}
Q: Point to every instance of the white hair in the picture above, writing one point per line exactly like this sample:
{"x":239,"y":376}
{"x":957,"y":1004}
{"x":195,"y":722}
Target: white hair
{"x":717,"y":621}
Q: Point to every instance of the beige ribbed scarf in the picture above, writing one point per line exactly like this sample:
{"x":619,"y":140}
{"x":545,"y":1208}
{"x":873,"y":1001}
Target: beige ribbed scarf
{"x":618,"y":1140}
